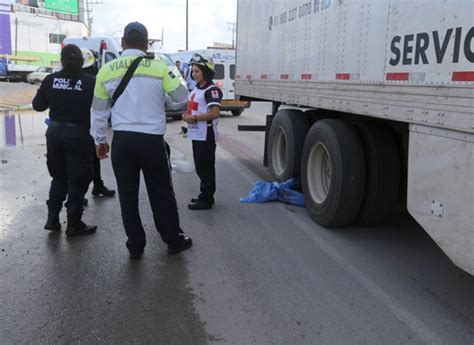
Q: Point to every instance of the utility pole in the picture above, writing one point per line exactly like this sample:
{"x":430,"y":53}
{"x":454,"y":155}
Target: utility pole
{"x":89,"y":14}
{"x":233,"y":33}
{"x":187,"y":12}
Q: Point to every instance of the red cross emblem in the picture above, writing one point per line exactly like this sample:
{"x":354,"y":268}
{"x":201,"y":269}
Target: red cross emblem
{"x":192,"y":105}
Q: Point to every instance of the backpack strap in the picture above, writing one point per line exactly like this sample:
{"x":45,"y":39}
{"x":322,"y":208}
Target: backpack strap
{"x":125,"y":80}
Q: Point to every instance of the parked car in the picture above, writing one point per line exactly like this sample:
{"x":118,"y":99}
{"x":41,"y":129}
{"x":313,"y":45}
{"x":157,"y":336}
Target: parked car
{"x":3,"y":68}
{"x":39,"y":75}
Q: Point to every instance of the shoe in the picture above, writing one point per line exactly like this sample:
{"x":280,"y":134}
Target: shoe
{"x":53,"y":223}
{"x":102,"y":190}
{"x":79,"y":229}
{"x":195,"y":200}
{"x":200,"y":205}
{"x":185,"y":244}
{"x":136,"y":254}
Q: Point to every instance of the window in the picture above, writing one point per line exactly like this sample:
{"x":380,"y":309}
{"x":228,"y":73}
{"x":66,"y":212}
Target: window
{"x":56,"y":39}
{"x":219,"y":68}
{"x":109,"y":56}
{"x":232,"y":72}
{"x":166,"y":59}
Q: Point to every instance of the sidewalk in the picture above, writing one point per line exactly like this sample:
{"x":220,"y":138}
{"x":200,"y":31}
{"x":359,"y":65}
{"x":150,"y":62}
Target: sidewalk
{"x":16,"y":96}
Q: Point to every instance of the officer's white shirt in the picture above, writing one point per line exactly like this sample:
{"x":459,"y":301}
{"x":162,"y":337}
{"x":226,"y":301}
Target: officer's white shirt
{"x":140,"y":108}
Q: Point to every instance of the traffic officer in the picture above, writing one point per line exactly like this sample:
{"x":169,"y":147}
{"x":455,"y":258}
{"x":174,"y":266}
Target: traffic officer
{"x":68,"y":95}
{"x":99,"y":188}
{"x":139,"y":123}
{"x":202,"y":118}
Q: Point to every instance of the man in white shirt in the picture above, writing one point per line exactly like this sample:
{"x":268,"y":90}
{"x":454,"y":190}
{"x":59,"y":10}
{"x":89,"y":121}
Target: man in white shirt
{"x":139,"y":123}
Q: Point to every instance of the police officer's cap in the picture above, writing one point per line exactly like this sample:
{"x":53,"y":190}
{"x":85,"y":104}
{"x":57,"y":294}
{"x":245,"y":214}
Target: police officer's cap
{"x":135,"y":31}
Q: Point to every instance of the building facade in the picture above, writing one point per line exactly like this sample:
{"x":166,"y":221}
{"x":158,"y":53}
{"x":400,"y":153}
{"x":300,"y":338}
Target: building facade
{"x":31,"y":31}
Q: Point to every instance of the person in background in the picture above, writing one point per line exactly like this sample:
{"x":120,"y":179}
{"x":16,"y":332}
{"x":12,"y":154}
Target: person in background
{"x":99,"y":189}
{"x":190,"y":82}
{"x":139,"y":124}
{"x":202,"y":118}
{"x":68,"y":95}
{"x":178,"y":66}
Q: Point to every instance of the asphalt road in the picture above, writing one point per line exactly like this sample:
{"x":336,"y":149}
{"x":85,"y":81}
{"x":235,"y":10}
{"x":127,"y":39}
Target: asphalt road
{"x":257,"y":274}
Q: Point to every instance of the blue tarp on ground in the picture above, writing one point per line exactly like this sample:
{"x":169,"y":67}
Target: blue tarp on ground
{"x":270,"y":191}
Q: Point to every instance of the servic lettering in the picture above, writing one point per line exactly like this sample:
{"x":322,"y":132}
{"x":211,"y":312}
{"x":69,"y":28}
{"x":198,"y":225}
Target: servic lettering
{"x":426,"y":48}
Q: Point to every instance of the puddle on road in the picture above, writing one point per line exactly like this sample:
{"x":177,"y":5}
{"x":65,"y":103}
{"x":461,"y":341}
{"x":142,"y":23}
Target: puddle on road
{"x":29,"y":128}
{"x":25,"y":128}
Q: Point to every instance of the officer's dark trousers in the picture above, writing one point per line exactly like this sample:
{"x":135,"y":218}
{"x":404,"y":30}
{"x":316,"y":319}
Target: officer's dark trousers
{"x":204,"y":153}
{"x":70,"y":165}
{"x":134,"y":152}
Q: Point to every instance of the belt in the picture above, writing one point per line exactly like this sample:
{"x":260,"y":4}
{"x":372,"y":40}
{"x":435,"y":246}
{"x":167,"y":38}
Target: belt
{"x":66,"y":124}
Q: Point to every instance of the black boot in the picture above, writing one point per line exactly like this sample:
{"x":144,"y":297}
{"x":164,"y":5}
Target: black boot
{"x":53,"y":223}
{"x":200,"y":205}
{"x":195,"y":200}
{"x":183,"y":243}
{"x":102,"y":190}
{"x":76,"y":227}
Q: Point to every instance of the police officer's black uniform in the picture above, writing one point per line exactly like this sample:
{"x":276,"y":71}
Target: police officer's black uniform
{"x":99,"y":189}
{"x":68,"y":143}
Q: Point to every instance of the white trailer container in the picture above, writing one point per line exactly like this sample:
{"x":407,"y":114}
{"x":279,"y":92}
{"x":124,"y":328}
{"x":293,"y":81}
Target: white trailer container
{"x":387,"y":88}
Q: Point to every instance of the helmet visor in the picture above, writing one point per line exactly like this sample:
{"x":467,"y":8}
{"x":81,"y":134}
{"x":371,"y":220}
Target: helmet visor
{"x":198,"y":59}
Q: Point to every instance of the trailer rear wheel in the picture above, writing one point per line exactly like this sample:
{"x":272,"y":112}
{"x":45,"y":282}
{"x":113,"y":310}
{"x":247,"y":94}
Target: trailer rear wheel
{"x":286,"y":140}
{"x":383,"y":173}
{"x":333,"y":172}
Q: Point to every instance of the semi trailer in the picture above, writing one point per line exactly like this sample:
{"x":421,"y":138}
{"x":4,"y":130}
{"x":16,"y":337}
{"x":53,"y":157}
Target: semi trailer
{"x":373,"y":103}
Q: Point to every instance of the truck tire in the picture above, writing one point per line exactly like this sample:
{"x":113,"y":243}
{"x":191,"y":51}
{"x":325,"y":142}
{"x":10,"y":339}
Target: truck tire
{"x":383,"y":173}
{"x":333,"y":172}
{"x":236,"y":112}
{"x":286,"y":141}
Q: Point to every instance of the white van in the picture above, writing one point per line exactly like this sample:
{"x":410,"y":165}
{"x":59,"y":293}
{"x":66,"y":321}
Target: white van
{"x":108,"y":48}
{"x":224,"y":60}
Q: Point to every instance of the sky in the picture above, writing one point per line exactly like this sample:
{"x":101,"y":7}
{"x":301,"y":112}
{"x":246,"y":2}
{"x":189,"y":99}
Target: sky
{"x":208,"y":20}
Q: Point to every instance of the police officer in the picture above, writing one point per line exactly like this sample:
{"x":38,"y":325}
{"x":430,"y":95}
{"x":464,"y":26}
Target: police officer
{"x":139,"y":123}
{"x":202,"y":118}
{"x":99,"y":188}
{"x":68,"y":95}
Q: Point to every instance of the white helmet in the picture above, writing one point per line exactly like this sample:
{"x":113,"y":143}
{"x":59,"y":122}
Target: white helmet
{"x":88,"y":56}
{"x":202,"y":60}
